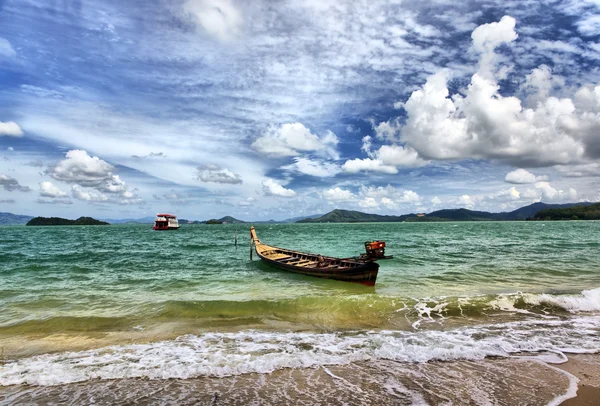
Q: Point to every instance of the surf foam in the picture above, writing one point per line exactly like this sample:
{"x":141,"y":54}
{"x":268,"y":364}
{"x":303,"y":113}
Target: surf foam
{"x":226,"y":354}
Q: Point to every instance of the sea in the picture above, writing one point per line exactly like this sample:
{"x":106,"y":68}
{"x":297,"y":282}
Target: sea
{"x":476,"y":313}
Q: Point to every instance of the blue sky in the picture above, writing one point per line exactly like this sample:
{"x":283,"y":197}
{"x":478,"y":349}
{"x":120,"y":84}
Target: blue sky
{"x":270,"y":109}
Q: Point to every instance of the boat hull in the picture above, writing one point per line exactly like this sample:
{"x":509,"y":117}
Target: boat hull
{"x":365,"y":274}
{"x":342,"y":269}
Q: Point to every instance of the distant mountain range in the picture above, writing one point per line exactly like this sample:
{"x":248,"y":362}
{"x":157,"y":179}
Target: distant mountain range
{"x":9,"y":219}
{"x":350,"y":216}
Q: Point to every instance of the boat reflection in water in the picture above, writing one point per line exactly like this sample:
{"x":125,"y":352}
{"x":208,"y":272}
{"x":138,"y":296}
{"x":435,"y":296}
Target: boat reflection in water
{"x":362,"y":269}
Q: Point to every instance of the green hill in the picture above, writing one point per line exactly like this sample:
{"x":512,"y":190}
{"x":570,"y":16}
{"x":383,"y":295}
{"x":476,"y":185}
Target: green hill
{"x":590,"y":212}
{"x":523,"y":213}
{"x":530,"y":211}
{"x":465,"y":215}
{"x":350,"y":216}
{"x":57,"y":221}
{"x":225,"y":220}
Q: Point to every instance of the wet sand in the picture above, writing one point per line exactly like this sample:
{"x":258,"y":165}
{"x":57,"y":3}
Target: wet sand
{"x":490,"y":381}
{"x":586,"y":367}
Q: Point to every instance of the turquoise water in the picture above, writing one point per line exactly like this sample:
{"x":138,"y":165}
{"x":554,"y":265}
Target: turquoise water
{"x":77,"y":292}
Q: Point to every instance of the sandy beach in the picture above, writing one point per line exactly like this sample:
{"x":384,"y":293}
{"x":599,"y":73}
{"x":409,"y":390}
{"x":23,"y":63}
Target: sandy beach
{"x":586,"y":367}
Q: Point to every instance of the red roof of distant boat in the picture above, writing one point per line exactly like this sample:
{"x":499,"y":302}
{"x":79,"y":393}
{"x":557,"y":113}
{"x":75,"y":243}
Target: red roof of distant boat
{"x":165,"y":215}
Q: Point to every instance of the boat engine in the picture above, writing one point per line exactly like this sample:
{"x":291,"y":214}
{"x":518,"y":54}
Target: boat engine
{"x":375,"y":250}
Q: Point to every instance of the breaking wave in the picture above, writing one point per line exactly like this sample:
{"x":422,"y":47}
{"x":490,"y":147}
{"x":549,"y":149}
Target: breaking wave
{"x":226,"y":354}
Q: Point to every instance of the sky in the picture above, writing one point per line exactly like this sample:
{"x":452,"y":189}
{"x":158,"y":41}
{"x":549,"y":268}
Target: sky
{"x":279,"y":109}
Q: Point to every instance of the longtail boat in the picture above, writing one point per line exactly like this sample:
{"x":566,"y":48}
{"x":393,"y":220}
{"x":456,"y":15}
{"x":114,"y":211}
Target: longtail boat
{"x":362,"y":269}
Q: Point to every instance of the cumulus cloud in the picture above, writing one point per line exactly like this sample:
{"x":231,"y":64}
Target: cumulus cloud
{"x":218,"y":18}
{"x":88,"y":195}
{"x":484,"y":124}
{"x":368,"y":202}
{"x":522,"y":176}
{"x":80,"y":168}
{"x":10,"y":129}
{"x":388,"y":196}
{"x":217,"y":174}
{"x":293,"y":139}
{"x":11,"y":184}
{"x":272,"y":188}
{"x":548,"y":193}
{"x":368,"y":165}
{"x":436,"y":201}
{"x":487,"y":37}
{"x":466,"y":201}
{"x":6,"y":48}
{"x":387,"y":158}
{"x":92,"y":179}
{"x":338,"y":195}
{"x":399,"y":156}
{"x":48,"y":189}
{"x":539,"y":84}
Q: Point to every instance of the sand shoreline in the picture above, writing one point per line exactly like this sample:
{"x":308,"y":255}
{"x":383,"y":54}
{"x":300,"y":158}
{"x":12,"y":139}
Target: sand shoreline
{"x":586,"y":367}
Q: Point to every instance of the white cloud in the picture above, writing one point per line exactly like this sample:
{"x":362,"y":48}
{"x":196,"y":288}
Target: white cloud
{"x":487,"y":37}
{"x":397,"y":155}
{"x":484,"y":124}
{"x":247,"y":202}
{"x":368,"y":202}
{"x":80,"y":168}
{"x":338,"y":195}
{"x":436,"y":201}
{"x":539,"y":83}
{"x":218,"y":18}
{"x":272,"y":188}
{"x":293,"y":139}
{"x":88,"y":195}
{"x":367,"y":165}
{"x":466,"y":201}
{"x":389,"y":196}
{"x":316,"y":168}
{"x":408,"y":196}
{"x":575,"y":171}
{"x":6,"y":48}
{"x":216,"y":174}
{"x":387,"y":131}
{"x":548,"y":193}
{"x":521,"y":176}
{"x":10,"y":129}
{"x":10,"y":184}
{"x":48,"y":189}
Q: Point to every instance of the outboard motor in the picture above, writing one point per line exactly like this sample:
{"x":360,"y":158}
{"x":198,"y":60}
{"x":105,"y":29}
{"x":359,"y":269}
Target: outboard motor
{"x":375,"y":250}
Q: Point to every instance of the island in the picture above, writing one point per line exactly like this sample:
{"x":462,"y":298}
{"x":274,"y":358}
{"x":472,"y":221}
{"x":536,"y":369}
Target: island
{"x":57,"y":221}
{"x":591,"y":212}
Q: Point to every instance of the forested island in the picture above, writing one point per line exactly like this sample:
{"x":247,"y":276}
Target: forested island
{"x":591,"y":212}
{"x":57,"y":221}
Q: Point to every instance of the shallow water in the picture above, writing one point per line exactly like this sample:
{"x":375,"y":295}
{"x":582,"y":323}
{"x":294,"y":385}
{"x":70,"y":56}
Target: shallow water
{"x":123,"y":302}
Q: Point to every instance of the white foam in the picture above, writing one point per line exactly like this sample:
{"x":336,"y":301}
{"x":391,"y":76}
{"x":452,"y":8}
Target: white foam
{"x":223,"y":354}
{"x":587,"y":301}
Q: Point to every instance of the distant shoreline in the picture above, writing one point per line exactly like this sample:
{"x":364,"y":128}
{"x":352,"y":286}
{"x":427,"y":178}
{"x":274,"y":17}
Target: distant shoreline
{"x":58,"y":221}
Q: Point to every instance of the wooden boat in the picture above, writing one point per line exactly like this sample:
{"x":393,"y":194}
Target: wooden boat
{"x":362,"y":269}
